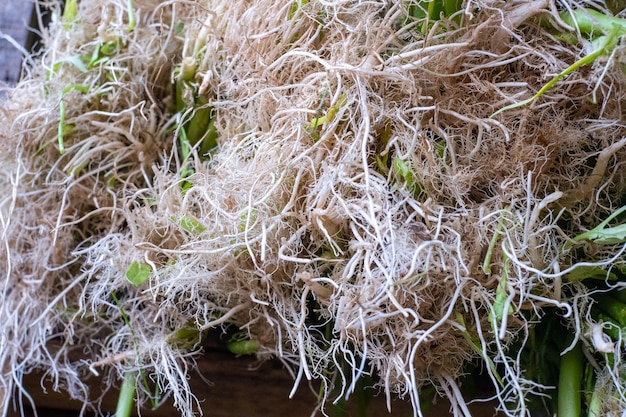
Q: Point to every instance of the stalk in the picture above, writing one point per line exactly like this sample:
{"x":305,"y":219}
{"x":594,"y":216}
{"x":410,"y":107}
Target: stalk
{"x":127,"y":395}
{"x":131,"y":16}
{"x":569,"y":388}
{"x":202,"y":128}
{"x":61,"y":127}
{"x":594,"y":409}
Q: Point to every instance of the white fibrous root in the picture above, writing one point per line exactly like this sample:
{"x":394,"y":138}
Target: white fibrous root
{"x":357,"y":209}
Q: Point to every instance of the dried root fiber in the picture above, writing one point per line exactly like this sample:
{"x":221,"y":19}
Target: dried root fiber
{"x":349,"y":184}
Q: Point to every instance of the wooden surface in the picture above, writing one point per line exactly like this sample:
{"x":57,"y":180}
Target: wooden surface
{"x":229,"y":386}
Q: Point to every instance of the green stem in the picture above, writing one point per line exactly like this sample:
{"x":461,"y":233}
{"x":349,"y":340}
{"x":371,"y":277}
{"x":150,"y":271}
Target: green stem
{"x":127,"y":395}
{"x":607,"y":45}
{"x":131,"y":16}
{"x":61,"y":127}
{"x":570,"y":377}
{"x":492,"y":244}
{"x":594,"y":409}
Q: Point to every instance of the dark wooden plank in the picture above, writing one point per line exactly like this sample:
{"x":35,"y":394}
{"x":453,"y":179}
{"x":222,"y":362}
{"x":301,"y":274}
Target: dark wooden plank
{"x":15,"y":19}
{"x":237,"y":386}
{"x":227,"y":386}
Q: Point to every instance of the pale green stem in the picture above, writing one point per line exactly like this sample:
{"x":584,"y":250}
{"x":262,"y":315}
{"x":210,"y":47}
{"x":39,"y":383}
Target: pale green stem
{"x":607,"y":45}
{"x":127,"y":395}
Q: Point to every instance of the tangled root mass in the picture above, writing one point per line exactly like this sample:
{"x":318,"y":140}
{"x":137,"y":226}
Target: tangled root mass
{"x":343,"y":218}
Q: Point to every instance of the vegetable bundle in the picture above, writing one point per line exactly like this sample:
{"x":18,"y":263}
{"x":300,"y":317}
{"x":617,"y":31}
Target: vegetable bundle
{"x":380,"y":193}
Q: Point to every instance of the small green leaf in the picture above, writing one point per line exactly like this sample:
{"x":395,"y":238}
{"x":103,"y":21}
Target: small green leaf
{"x":109,"y":48}
{"x":70,"y":12}
{"x":75,"y":87}
{"x":191,"y":225}
{"x":75,"y":60}
{"x":138,"y":273}
{"x":330,"y":114}
{"x":582,"y":272}
{"x":295,"y":7}
{"x":404,"y":172}
{"x":501,"y":296}
{"x":179,"y":28}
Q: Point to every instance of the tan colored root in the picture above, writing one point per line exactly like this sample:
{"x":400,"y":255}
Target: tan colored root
{"x":309,"y":239}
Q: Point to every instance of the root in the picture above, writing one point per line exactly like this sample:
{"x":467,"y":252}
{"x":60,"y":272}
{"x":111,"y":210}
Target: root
{"x":322,"y":176}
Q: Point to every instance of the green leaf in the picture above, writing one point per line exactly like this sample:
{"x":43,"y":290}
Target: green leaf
{"x":592,"y":22}
{"x":603,"y":235}
{"x":501,"y":295}
{"x":75,"y":60}
{"x":70,"y":12}
{"x":613,"y":307}
{"x":179,"y":28}
{"x":582,"y":272}
{"x":191,"y":225}
{"x":138,"y":273}
{"x":404,"y":172}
